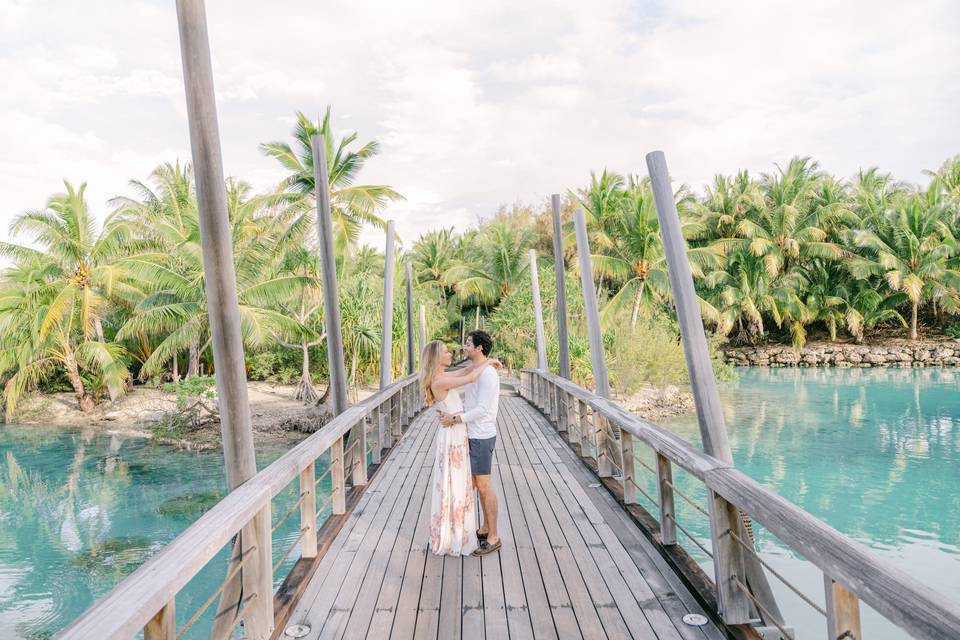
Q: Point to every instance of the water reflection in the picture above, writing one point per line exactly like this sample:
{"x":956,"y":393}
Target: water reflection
{"x":79,"y":511}
{"x":872,"y":452}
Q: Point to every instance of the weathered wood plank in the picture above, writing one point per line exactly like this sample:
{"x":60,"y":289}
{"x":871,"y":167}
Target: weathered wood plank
{"x":505,"y":601}
{"x":566,"y":537}
{"x":661,"y":594}
{"x":548,"y":604}
{"x":569,"y":600}
{"x":350,"y":596}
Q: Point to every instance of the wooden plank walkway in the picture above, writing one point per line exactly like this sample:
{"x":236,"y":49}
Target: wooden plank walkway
{"x":573,"y":564}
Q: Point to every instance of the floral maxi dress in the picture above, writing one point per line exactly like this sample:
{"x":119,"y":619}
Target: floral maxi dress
{"x":453,"y":518}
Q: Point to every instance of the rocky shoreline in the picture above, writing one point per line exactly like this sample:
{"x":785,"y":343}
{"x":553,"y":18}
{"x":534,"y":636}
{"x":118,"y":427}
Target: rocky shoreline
{"x":899,"y":353}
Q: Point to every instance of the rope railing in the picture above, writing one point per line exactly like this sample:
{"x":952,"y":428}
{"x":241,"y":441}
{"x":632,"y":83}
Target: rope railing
{"x":787,"y":583}
{"x":293,"y":509}
{"x":766,"y":612}
{"x":136,"y":601}
{"x":852,"y":572}
{"x":223,"y":585}
{"x":692,"y":537}
{"x":290,"y":548}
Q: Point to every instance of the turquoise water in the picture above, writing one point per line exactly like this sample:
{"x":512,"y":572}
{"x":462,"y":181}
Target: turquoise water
{"x":80,"y":510}
{"x":875,"y":453}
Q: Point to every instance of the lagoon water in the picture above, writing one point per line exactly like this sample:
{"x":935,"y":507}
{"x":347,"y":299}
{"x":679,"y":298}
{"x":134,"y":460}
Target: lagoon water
{"x":80,"y":510}
{"x":875,"y":453}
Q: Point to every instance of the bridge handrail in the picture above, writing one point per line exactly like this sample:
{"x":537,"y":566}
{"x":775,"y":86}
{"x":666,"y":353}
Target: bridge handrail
{"x":888,"y":589}
{"x":136,"y":600}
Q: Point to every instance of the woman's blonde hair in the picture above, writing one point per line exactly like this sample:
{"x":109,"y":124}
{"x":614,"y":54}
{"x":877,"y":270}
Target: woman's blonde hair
{"x":428,"y":367}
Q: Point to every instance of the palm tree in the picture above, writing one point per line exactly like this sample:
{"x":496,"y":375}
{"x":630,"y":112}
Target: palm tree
{"x":909,"y":248}
{"x":174,"y":309}
{"x":501,"y":263}
{"x":790,"y":225}
{"x":351,"y":206}
{"x":636,"y":261}
{"x":434,"y":254}
{"x":726,"y":203}
{"x":68,"y":283}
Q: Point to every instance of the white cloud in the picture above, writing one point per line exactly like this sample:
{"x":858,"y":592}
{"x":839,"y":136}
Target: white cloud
{"x":478,"y":104}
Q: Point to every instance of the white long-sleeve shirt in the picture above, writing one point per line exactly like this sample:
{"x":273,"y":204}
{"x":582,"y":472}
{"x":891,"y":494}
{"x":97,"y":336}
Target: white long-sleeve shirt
{"x":481,"y":400}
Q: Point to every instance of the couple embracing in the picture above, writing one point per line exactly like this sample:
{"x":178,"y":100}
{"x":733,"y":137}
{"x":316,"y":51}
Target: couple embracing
{"x":465,"y":443}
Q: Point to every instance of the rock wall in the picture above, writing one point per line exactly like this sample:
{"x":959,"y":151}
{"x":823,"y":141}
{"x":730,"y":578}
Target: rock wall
{"x":919,"y":353}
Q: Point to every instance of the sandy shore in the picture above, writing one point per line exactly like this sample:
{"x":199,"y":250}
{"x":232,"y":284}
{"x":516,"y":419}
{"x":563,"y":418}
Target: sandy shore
{"x":278,"y":418}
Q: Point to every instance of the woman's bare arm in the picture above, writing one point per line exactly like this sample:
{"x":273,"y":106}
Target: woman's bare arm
{"x":448,"y":380}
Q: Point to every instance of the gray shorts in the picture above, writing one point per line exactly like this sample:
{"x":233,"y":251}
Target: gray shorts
{"x":481,"y":455}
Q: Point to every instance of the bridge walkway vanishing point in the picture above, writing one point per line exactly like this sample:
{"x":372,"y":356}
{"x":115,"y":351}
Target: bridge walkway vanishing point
{"x":573,"y":564}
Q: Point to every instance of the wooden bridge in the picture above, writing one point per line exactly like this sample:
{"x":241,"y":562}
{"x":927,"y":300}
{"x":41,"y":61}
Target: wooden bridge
{"x":581,"y":557}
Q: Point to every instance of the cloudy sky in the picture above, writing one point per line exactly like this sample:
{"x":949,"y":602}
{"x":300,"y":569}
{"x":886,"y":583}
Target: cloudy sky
{"x":481,"y":103}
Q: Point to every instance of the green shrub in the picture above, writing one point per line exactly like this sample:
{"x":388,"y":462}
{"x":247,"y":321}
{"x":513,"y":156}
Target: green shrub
{"x":953,"y":331}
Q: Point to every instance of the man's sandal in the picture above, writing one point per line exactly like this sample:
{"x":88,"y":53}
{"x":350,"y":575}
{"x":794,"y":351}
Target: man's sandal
{"x":487,"y":548}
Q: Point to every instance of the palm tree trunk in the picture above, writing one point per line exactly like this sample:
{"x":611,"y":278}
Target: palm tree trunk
{"x":194,"y":367}
{"x":73,"y":375}
{"x":636,"y":307}
{"x":913,"y":321}
{"x":175,"y":370}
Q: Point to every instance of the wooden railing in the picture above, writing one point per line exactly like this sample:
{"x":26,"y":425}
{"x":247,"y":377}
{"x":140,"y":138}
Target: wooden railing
{"x":146,"y":600}
{"x":851,"y":572}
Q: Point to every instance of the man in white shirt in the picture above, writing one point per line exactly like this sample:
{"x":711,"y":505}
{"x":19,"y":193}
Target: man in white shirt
{"x":481,"y":400}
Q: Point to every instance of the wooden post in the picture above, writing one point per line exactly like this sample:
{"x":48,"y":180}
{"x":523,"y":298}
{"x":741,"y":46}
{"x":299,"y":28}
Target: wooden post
{"x":562,"y":415}
{"x":359,"y":478}
{"x":586,"y":430}
{"x":376,"y":426}
{"x":629,"y":472}
{"x":729,"y":558}
{"x":224,"y":312}
{"x":597,"y":357}
{"x":162,"y":626}
{"x":423,"y":327}
{"x":308,"y":511}
{"x":668,"y":527}
{"x":328,"y":264}
{"x":538,"y":312}
{"x":386,"y":336}
{"x":561,"y":307}
{"x":338,"y":478}
{"x":411,"y":358}
{"x":396,"y":408}
{"x":843,"y":611}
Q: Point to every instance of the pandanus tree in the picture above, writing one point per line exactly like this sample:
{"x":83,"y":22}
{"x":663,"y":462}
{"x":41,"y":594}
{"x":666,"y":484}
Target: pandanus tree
{"x":59,"y":294}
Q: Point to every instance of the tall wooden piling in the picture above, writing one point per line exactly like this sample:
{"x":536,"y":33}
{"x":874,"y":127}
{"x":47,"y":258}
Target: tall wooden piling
{"x":538,"y":311}
{"x":411,"y":358}
{"x":730,"y":559}
{"x":561,"y":306}
{"x":386,"y":336}
{"x":328,"y":265}
{"x":595,"y":337}
{"x":223,"y":308}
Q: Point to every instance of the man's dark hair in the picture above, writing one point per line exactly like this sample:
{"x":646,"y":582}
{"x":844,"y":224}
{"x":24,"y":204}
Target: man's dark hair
{"x":483,"y":340}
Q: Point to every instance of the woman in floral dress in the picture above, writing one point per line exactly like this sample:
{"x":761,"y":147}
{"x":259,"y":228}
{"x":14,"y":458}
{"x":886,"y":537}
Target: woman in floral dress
{"x":453,"y":516}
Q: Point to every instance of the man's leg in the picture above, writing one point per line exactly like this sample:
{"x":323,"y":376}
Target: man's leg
{"x":488,"y":501}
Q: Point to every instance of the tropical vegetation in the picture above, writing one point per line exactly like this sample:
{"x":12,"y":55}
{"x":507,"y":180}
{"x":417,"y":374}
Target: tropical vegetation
{"x":786,"y":256}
